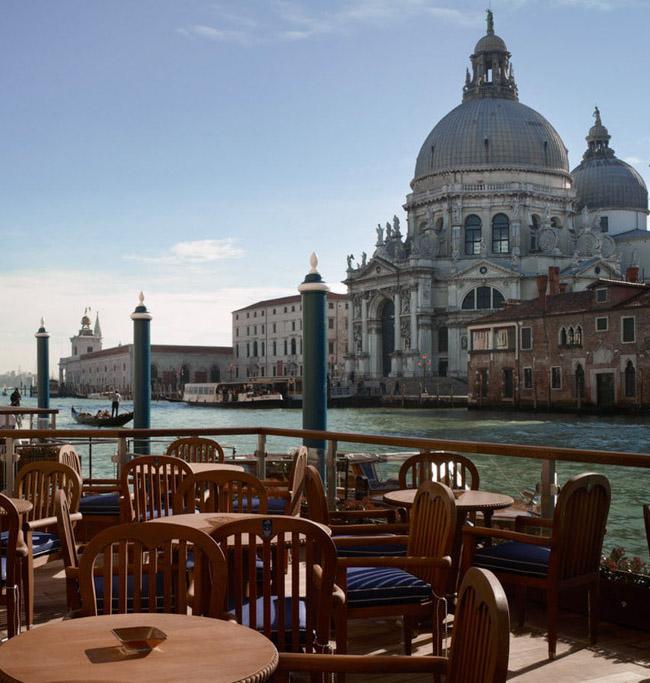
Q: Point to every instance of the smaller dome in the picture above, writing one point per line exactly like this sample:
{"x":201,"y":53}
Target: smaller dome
{"x":609,"y":183}
{"x":490,"y":43}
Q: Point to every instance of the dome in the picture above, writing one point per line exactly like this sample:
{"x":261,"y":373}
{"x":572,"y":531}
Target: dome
{"x":609,"y":183}
{"x":490,"y":43}
{"x":492,"y":132}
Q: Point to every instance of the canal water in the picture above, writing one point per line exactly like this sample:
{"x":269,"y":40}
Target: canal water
{"x":630,"y":486}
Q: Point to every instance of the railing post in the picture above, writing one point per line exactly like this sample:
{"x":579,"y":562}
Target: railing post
{"x":10,"y":464}
{"x":121,"y":455}
{"x":331,"y":475}
{"x":548,"y":488}
{"x":260,"y":454}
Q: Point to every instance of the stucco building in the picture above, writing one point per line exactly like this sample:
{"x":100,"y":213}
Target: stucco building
{"x":492,"y":206}
{"x":267,"y":337}
{"x":565,"y":349}
{"x":91,"y":368}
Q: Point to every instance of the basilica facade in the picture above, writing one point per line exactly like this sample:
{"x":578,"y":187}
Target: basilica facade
{"x":493,"y":205}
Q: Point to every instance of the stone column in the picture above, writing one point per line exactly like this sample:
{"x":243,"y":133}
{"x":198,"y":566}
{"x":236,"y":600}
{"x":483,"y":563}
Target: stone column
{"x":364,"y":324}
{"x":396,"y":327}
{"x":350,"y":320}
{"x":414,"y":318}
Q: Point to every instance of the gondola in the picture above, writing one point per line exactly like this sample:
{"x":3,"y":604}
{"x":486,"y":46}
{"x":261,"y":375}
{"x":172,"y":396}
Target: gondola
{"x":94,"y":421}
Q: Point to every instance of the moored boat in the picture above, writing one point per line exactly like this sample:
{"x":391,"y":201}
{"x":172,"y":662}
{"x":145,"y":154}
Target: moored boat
{"x":89,"y":419}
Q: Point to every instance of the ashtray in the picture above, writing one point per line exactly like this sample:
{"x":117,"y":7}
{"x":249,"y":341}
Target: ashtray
{"x":458,"y":493}
{"x":140,"y":638}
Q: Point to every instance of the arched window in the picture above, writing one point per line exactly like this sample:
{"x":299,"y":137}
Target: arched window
{"x":570,"y":337}
{"x":555,"y":222}
{"x":578,"y":337}
{"x":500,"y":234}
{"x":482,"y":298}
{"x":254,"y":348}
{"x":534,"y":231}
{"x":439,"y":224}
{"x":293,"y":347}
{"x":473,"y":235}
{"x":563,"y":337}
{"x":630,"y":380}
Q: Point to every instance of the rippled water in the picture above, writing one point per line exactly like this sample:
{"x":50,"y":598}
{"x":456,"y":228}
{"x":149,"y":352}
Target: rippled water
{"x":630,"y":486}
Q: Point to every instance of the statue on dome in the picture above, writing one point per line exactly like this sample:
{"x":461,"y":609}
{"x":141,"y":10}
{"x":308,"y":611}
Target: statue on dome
{"x":380,"y":234}
{"x":364,"y":259}
{"x":597,"y":116}
{"x":396,"y":232}
{"x":350,"y":258}
{"x":389,"y":231}
{"x":490,"y":21}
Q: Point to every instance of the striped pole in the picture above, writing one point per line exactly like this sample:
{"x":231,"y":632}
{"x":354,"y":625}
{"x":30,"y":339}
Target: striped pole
{"x":141,"y":373}
{"x":314,"y":358}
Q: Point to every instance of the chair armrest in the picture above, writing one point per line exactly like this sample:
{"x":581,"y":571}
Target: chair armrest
{"x":388,"y":514}
{"x":346,"y":542}
{"x":338,"y":597}
{"x":506,"y":535}
{"x":522,"y":521}
{"x":367,"y":529}
{"x":43,"y":522}
{"x":378,"y":664}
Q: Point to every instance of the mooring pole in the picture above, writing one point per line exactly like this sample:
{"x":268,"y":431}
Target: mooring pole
{"x":43,"y":372}
{"x":314,"y":360}
{"x":141,"y":373}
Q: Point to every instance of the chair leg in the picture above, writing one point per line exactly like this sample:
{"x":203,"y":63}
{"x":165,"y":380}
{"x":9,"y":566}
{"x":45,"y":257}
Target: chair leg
{"x":552,"y":608}
{"x":407,"y":626}
{"x":13,"y":614}
{"x":520,"y":601}
{"x":28,"y":589}
{"x":593,"y":607}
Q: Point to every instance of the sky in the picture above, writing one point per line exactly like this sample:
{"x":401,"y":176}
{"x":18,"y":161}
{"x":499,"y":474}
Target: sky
{"x":200,"y":150}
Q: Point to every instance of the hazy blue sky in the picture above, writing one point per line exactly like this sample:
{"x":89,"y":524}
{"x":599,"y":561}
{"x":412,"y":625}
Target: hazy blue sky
{"x":200,"y":149}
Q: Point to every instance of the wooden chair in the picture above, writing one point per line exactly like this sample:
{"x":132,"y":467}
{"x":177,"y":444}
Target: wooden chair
{"x":646,"y":519}
{"x":345,"y":521}
{"x":221,"y":491}
{"x":39,"y":482}
{"x":196,"y":449}
{"x":144,"y":568}
{"x":286,"y":497}
{"x":409,"y":586}
{"x":479,"y":648}
{"x":148,"y":484}
{"x":69,"y":550}
{"x":569,"y":559}
{"x":12,"y":555}
{"x":68,"y":456}
{"x":452,"y":469}
{"x":282,"y":579}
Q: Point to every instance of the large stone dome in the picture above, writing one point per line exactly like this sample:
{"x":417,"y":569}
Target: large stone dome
{"x":490,"y":133}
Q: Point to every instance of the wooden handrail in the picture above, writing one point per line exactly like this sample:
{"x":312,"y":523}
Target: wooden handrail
{"x":597,"y":457}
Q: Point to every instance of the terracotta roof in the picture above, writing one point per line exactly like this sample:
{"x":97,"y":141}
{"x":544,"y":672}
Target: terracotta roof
{"x":331,"y":296}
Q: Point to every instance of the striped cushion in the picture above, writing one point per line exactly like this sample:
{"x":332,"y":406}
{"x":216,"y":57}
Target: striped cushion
{"x":516,"y":558}
{"x":42,"y":543}
{"x":377,"y":586}
{"x":100,"y":504}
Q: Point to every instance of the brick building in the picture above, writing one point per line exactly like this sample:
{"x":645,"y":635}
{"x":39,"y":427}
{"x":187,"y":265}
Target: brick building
{"x":565,"y":350}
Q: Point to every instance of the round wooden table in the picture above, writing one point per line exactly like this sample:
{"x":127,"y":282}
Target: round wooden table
{"x":466,"y":501}
{"x":196,"y":650}
{"x":200,"y":467}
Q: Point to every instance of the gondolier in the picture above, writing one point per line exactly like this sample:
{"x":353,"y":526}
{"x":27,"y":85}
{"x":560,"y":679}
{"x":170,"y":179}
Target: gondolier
{"x":115,"y":405}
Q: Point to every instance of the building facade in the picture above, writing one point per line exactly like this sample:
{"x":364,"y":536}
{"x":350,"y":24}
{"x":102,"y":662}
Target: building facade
{"x":90,"y":368}
{"x":567,"y":350}
{"x":492,"y":206}
{"x":267,"y":337}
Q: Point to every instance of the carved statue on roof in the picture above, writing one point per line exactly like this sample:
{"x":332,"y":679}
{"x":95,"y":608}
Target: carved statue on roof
{"x":364,"y":259}
{"x":597,"y":116}
{"x":389,"y":231}
{"x":350,"y":258}
{"x":396,"y":232}
{"x":380,"y":234}
{"x":490,"y":21}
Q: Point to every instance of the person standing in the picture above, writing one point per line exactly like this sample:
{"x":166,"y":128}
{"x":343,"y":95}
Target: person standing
{"x":15,"y":398}
{"x":115,"y":405}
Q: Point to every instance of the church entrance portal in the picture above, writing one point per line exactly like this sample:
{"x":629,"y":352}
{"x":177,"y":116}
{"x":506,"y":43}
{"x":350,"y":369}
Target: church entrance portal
{"x":387,"y":335}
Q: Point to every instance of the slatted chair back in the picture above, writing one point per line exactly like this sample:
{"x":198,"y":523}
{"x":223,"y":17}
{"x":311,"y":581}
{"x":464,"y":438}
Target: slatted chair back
{"x":432,"y":530}
{"x":579,"y":525}
{"x":646,"y":518}
{"x":69,"y":550}
{"x":9,"y":527}
{"x":297,"y":482}
{"x":317,"y":509}
{"x":68,"y":456}
{"x":196,"y":449}
{"x":221,"y":491}
{"x":144,"y":568}
{"x":481,"y":634}
{"x":452,"y":469}
{"x":148,"y":484}
{"x":282,"y":579}
{"x":38,"y":482}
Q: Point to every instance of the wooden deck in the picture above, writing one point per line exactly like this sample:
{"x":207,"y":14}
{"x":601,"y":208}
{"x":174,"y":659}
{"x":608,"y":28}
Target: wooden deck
{"x":621,"y":655}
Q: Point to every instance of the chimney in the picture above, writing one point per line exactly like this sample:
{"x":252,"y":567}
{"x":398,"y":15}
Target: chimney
{"x":542,"y":281}
{"x":553,"y":280}
{"x":563,"y":287}
{"x":632,"y":274}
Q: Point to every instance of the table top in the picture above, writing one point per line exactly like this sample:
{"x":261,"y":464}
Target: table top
{"x":465,"y":500}
{"x":197,"y":650}
{"x":209,"y":521}
{"x":200,"y":467}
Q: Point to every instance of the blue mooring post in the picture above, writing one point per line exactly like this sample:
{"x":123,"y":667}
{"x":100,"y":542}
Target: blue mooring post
{"x":43,"y":371}
{"x":314,"y":358}
{"x":141,"y":373}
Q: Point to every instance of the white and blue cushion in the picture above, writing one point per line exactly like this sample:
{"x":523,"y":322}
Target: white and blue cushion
{"x":514,"y":557}
{"x":379,"y":586}
{"x":42,"y":543}
{"x":276,"y":605}
{"x":100,"y":504}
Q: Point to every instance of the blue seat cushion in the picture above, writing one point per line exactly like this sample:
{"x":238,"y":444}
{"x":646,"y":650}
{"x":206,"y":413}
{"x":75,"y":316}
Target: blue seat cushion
{"x":100,"y":504}
{"x":514,"y":557}
{"x":385,"y":549}
{"x":276,"y":605}
{"x":42,"y":543}
{"x":275,"y":506}
{"x":99,"y":592}
{"x":379,"y":586}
